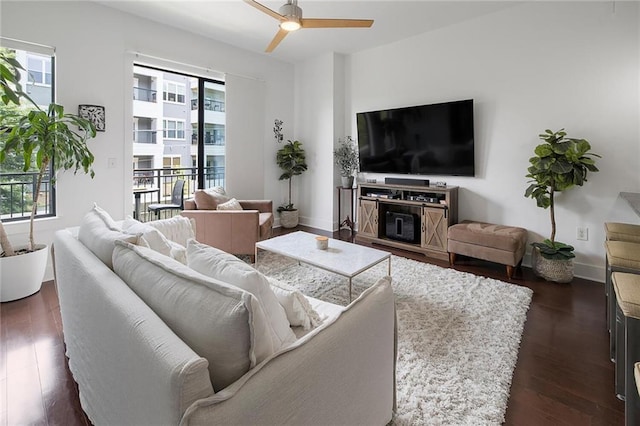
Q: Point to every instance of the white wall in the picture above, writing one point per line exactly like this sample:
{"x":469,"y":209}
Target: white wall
{"x":534,"y":66}
{"x":94,"y":66}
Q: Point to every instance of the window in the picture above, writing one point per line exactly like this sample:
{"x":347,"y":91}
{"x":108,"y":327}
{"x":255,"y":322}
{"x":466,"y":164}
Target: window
{"x":173,"y":92}
{"x":173,"y":129}
{"x":17,"y":186}
{"x":39,"y":69}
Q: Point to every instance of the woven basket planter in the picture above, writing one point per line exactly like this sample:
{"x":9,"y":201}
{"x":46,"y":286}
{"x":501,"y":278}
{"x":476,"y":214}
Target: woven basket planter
{"x":558,"y":271}
{"x":289,"y":218}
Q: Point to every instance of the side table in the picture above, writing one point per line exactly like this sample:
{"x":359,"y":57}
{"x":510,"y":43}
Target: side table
{"x":348,"y":222}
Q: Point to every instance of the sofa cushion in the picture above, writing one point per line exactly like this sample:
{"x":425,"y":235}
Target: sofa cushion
{"x":98,"y":232}
{"x":299,"y":311}
{"x":232,"y":204}
{"x":178,"y":229}
{"x":220,"y":322}
{"x":225,"y":267}
{"x":208,"y":199}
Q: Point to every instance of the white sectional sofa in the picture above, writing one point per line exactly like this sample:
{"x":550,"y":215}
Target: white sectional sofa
{"x":150,"y":352}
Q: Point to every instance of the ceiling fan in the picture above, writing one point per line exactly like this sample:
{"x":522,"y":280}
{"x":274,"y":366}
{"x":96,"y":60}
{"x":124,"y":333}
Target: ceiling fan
{"x":290,"y":17}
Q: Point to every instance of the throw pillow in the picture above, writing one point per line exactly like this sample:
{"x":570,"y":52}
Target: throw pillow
{"x":232,"y":204}
{"x":96,"y":235}
{"x":208,"y":199}
{"x":225,"y":267}
{"x":178,"y":229}
{"x":151,"y":237}
{"x":299,"y":310}
{"x":106,"y":218}
{"x":220,"y":322}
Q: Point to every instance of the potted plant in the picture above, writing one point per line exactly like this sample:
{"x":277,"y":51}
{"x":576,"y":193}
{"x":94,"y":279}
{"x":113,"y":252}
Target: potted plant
{"x":346,"y":158}
{"x":38,"y":137}
{"x":291,"y":159}
{"x":560,"y":163}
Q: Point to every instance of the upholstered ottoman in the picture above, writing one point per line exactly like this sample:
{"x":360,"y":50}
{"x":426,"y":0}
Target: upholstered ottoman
{"x":495,"y":243}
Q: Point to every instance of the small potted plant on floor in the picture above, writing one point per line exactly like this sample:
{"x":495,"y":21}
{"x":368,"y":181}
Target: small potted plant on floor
{"x":291,"y":159}
{"x":37,"y":137}
{"x":560,"y":163}
{"x":346,"y":158}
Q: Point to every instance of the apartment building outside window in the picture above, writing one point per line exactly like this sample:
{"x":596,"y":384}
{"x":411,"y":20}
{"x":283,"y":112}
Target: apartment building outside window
{"x":39,"y":69}
{"x":174,"y":92}
{"x":173,"y":129}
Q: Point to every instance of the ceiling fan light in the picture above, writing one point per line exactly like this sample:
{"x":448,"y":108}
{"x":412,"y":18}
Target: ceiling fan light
{"x":290,"y":25}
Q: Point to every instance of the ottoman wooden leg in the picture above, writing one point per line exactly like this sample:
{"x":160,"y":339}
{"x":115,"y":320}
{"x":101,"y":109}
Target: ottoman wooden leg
{"x":452,"y":258}
{"x":510,"y":270}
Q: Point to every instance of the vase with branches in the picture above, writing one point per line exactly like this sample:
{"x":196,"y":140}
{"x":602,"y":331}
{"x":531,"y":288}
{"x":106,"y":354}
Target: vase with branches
{"x":346,"y":158}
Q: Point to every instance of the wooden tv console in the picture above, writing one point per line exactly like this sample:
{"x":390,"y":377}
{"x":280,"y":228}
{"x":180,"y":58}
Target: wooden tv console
{"x":434,"y":208}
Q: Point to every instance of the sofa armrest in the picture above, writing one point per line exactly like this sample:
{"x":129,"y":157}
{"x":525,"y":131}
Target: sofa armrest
{"x":342,"y":372}
{"x":263,"y":206}
{"x":118,"y":347}
{"x":234,"y":231}
{"x":190,"y":204}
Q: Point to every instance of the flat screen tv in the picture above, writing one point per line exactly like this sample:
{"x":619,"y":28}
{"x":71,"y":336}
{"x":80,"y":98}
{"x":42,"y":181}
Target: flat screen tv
{"x":432,"y":139}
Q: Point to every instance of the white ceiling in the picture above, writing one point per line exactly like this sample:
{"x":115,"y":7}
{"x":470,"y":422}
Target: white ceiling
{"x":237,"y":23}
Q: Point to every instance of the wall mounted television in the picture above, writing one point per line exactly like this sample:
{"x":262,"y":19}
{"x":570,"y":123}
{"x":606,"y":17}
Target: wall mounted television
{"x":434,"y":139}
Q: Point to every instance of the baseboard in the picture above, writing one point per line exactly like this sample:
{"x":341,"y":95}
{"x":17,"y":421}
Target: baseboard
{"x":580,"y":270}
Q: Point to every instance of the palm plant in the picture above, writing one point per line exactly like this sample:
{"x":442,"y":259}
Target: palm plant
{"x":560,"y":164}
{"x":41,"y":138}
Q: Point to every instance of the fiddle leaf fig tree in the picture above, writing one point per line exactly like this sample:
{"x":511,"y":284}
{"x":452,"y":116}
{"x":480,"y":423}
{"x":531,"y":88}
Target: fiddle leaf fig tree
{"x":560,"y":163}
{"x":40,"y":138}
{"x":291,"y":158}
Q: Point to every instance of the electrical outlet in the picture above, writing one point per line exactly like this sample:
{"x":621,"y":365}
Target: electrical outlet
{"x":582,"y":233}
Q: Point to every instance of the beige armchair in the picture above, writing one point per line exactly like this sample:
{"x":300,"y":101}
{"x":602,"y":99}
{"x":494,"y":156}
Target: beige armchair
{"x":234,"y":231}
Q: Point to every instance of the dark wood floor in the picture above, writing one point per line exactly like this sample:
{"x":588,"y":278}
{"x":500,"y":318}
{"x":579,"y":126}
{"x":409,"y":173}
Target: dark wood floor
{"x":563,"y":375}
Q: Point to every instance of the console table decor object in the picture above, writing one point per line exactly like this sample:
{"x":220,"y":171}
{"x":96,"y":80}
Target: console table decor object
{"x":340,"y":257}
{"x":433,"y":208}
{"x":348,"y":221}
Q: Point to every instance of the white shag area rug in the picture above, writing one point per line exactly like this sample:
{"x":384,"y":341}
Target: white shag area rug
{"x":458,"y":335}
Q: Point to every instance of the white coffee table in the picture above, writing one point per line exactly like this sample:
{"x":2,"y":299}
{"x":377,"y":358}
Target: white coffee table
{"x":341,"y":258}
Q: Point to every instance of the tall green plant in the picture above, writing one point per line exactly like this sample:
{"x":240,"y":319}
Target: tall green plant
{"x":41,"y":138}
{"x":560,"y":163}
{"x":291,"y":158}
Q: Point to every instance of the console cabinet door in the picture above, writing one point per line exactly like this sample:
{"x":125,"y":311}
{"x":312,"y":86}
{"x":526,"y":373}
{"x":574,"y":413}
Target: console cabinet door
{"x":368,"y":218}
{"x":434,"y":228}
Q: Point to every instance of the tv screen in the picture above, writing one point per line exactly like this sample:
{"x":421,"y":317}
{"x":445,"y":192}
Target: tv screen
{"x":432,"y":139}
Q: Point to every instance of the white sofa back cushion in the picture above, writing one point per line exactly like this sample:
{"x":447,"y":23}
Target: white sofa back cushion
{"x":222,"y":323}
{"x":98,"y":232}
{"x":223,"y":266}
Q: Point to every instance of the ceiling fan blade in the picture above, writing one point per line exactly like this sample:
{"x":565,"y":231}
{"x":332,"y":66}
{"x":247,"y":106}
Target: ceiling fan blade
{"x":266,"y":10}
{"x":280,"y":35}
{"x":335,"y":23}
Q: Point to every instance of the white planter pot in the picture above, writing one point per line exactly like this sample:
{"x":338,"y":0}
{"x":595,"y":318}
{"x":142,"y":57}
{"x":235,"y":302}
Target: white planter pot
{"x":289,"y":218}
{"x":22,"y":275}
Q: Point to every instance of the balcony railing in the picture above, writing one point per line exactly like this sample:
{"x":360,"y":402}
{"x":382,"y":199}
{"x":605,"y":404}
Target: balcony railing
{"x":144,"y":136}
{"x":209,"y":139}
{"x":16,"y":196}
{"x":164,"y":180}
{"x":145,"y":95}
{"x":209,"y":105}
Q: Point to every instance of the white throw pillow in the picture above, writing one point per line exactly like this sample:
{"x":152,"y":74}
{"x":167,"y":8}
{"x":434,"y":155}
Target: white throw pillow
{"x":153,"y":238}
{"x":299,"y":310}
{"x":220,"y":322}
{"x":232,"y":204}
{"x":225,"y":267}
{"x":95,"y":234}
{"x":178,"y":229}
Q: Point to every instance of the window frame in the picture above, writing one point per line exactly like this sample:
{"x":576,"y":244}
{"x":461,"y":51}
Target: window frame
{"x":166,"y":92}
{"x":165,"y":129}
